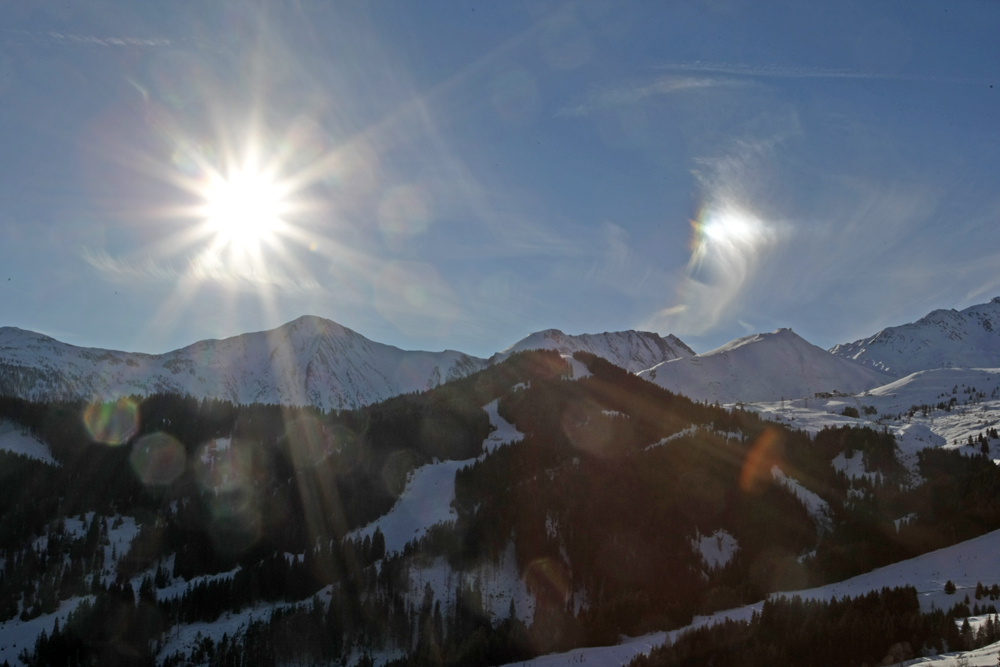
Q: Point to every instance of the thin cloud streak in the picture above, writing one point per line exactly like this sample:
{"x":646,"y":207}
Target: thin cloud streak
{"x":796,"y":72}
{"x":635,"y":94}
{"x":91,"y":40}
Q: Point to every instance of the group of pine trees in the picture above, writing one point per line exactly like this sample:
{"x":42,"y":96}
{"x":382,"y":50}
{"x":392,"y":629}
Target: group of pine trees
{"x":883,"y":627}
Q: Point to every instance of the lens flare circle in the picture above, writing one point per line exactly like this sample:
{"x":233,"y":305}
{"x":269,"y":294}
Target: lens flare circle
{"x":112,"y":423}
{"x":157,"y":459}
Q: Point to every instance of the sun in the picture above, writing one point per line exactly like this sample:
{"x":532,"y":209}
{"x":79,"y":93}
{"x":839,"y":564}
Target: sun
{"x":244,"y":208}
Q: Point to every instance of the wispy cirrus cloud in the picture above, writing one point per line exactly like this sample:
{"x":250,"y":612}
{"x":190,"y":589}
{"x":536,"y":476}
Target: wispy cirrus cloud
{"x":90,"y":40}
{"x":634,"y":94}
{"x":128,"y":269}
{"x":796,"y":72}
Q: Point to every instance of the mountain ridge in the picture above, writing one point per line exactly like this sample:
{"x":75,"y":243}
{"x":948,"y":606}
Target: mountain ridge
{"x":632,"y":350}
{"x":968,"y":338}
{"x":307,"y":361}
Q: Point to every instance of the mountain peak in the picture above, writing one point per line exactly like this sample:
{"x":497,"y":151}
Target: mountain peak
{"x":967,"y":338}
{"x":762,"y":367}
{"x":632,"y":350}
{"x":308,"y":361}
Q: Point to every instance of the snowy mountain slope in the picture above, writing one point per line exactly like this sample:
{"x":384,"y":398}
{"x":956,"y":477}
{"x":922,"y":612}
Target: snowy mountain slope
{"x":763,"y":367}
{"x":968,"y":338}
{"x":976,"y":407}
{"x":936,"y":386}
{"x":632,"y":350}
{"x":307,"y":361}
{"x":14,"y":439}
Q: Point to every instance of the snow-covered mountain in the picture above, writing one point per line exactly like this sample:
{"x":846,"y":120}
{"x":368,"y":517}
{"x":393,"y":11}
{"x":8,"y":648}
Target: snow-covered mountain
{"x":967,"y":338}
{"x":763,"y":367}
{"x":309,"y":361}
{"x":632,"y":350}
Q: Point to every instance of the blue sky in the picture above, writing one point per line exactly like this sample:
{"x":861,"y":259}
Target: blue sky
{"x":448,"y":175}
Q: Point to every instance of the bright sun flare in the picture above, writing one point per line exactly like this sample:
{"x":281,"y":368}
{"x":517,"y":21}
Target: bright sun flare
{"x":243,"y":209}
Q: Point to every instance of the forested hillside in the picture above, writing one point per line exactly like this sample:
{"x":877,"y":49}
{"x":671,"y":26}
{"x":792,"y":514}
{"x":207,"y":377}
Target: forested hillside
{"x":623,"y":509}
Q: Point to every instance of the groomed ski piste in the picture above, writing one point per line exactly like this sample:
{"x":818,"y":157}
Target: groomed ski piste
{"x":427,"y":499}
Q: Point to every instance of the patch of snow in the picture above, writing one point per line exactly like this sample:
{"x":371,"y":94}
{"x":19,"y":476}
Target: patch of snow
{"x":577,"y":369}
{"x":716,"y":549}
{"x":504,"y":433}
{"x":425,"y":502}
{"x":121,"y":531}
{"x":17,"y":635}
{"x":184,"y":637}
{"x":854,"y":467}
{"x":498,"y":583}
{"x":690,"y":430}
{"x":817,"y":508}
{"x":176,"y":586}
{"x":904,"y":520}
{"x":16,"y":439}
{"x":551,"y":526}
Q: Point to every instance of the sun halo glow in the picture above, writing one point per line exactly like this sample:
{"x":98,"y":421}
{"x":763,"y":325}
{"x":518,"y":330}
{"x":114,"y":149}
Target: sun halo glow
{"x":243,"y":209}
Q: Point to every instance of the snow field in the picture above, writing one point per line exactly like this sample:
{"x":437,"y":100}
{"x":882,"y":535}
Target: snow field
{"x":716,"y":549}
{"x":498,"y":583}
{"x":817,"y":508}
{"x":15,"y":439}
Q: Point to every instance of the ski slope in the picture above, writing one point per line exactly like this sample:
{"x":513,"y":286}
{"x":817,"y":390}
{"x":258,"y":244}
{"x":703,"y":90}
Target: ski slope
{"x":430,"y":491}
